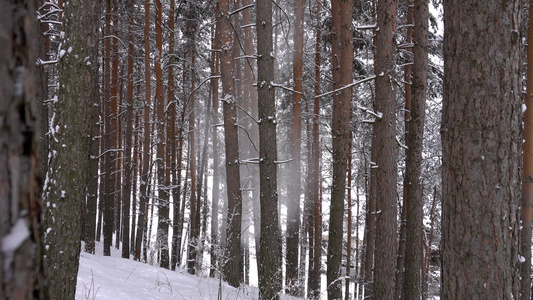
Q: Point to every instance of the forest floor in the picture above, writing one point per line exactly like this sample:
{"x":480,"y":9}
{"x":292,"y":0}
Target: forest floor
{"x":112,"y":277}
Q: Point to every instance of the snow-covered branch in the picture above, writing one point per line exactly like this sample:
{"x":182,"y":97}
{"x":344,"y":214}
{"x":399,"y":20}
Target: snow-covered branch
{"x":285,"y":88}
{"x":347,"y":86}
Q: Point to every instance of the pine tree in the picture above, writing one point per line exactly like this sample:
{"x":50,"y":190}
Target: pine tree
{"x":481,"y":142}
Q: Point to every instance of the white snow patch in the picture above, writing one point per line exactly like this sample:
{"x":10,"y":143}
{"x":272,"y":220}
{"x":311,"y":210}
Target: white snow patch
{"x":12,"y":241}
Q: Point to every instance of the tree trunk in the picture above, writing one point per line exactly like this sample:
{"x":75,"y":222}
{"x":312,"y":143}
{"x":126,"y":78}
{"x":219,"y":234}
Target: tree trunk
{"x":526,"y":213}
{"x":110,"y":139}
{"x":215,"y":191}
{"x":270,"y":277}
{"x":70,"y":144}
{"x":408,"y":75}
{"x":349,"y":221}
{"x":481,"y":142}
{"x":250,"y":97}
{"x":342,"y":57}
{"x":315,"y":223}
{"x":21,"y":264}
{"x":293,"y":202}
{"x":414,"y":200}
{"x":146,"y":146}
{"x":385,"y":149}
{"x":162,"y":191}
{"x":126,"y":194}
{"x":170,"y":160}
{"x":233,"y":265}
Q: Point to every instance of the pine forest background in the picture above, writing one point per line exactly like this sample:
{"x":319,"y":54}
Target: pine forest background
{"x":374,"y":143}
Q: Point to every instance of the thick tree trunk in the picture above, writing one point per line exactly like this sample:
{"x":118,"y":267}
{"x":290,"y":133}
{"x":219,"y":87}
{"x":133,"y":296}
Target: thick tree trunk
{"x":385,"y":149}
{"x":270,"y":277}
{"x":414,"y":200}
{"x":21,"y":264}
{"x":342,"y":57}
{"x":70,"y":143}
{"x":481,"y":142}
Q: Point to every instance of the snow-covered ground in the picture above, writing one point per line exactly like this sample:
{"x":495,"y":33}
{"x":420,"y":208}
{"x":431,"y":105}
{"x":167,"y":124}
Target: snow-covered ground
{"x":113,"y":277}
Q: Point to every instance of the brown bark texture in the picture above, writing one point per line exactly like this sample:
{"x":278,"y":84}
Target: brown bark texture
{"x":233,"y":265}
{"x":414,"y":200}
{"x":526,"y":212}
{"x":481,"y":120}
{"x":270,"y":277}
{"x":315,"y":222}
{"x":65,"y":183}
{"x":293,"y":202}
{"x":342,"y":57}
{"x":385,"y":150}
{"x":162,"y":191}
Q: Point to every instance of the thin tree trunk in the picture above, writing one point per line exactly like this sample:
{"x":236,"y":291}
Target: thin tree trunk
{"x":408,"y":74}
{"x":128,"y":160}
{"x":194,"y":232}
{"x":315,"y":224}
{"x":162,"y":191}
{"x":526,"y":213}
{"x":349,"y":222}
{"x":146,"y":146}
{"x":233,"y":266}
{"x":293,"y":202}
{"x":170,"y":172}
{"x":215,"y":192}
{"x":136,"y":165}
{"x":116,"y":100}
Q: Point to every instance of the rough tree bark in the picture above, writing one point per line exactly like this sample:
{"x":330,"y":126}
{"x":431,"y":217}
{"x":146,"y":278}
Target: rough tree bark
{"x":342,"y":57}
{"x":526,"y":213}
{"x":481,"y":142}
{"x":233,"y":265}
{"x":270,"y":277}
{"x":65,"y":182}
{"x":414,"y":200}
{"x":385,"y":150}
